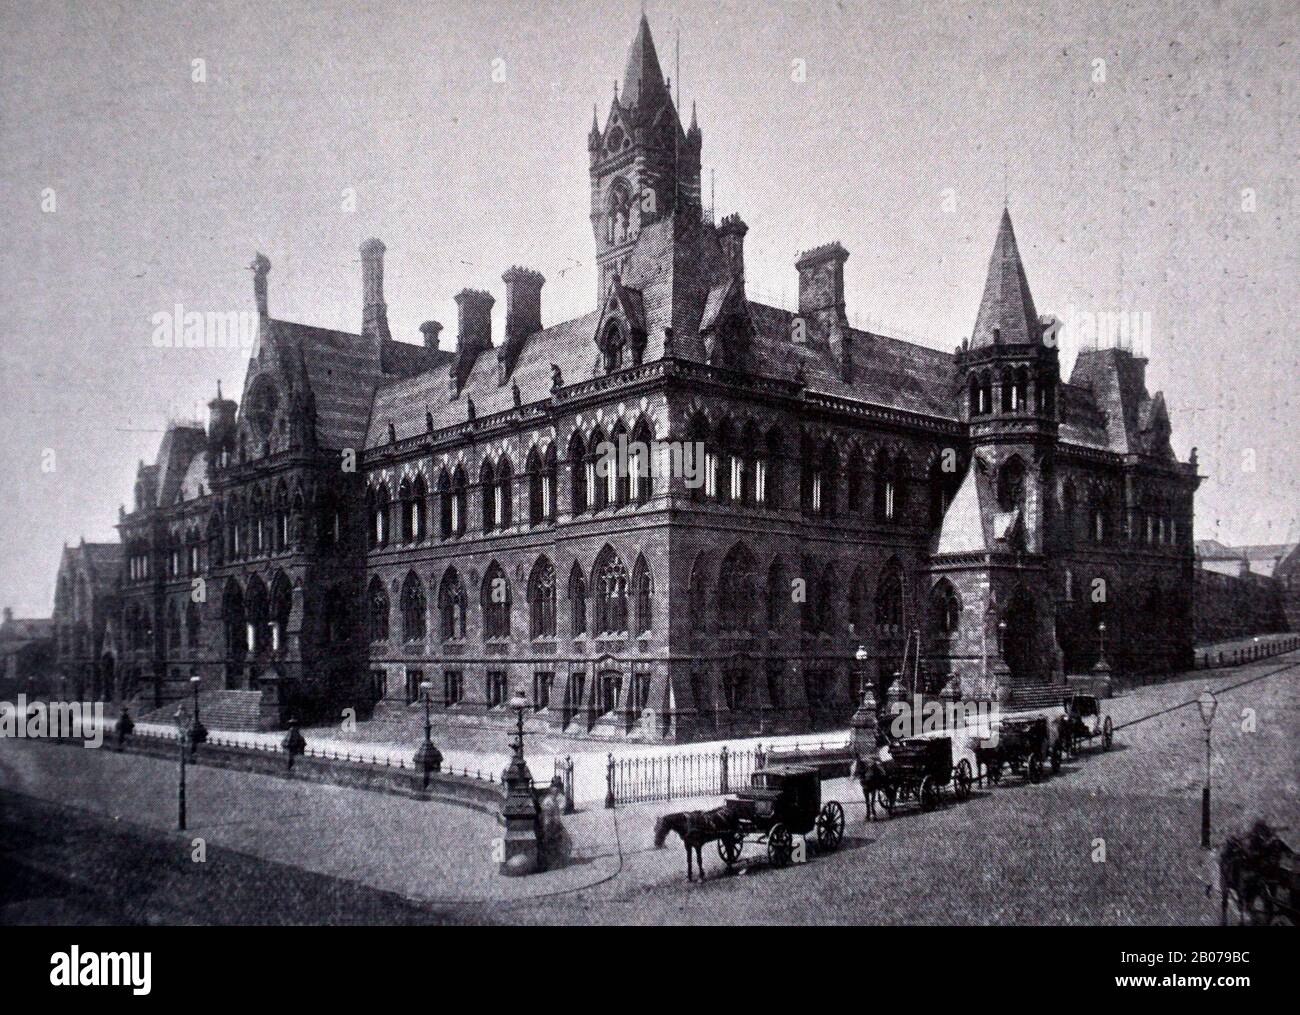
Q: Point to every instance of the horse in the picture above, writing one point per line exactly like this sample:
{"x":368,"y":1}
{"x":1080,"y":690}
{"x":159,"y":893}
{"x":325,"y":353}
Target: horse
{"x":695,"y":829}
{"x":874,"y":779}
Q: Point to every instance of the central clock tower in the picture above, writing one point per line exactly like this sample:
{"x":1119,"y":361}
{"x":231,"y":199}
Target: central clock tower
{"x":644,"y":166}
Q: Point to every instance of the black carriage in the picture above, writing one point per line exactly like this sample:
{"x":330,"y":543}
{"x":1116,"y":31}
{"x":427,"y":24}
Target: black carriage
{"x":782,"y":801}
{"x":1083,"y":722}
{"x":919,"y":769}
{"x":1022,"y":745}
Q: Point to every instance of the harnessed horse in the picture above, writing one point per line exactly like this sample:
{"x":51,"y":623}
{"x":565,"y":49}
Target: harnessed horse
{"x":695,"y":829}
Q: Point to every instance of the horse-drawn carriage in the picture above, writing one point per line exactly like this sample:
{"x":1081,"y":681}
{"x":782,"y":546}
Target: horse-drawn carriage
{"x":1082,"y":722}
{"x":919,"y":769}
{"x":1022,"y":745}
{"x":782,"y":801}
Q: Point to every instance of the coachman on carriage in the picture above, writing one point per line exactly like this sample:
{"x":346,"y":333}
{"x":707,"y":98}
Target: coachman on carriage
{"x":1022,"y":745}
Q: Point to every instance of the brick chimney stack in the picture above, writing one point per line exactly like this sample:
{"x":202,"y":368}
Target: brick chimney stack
{"x":374,"y":312}
{"x":474,"y":334}
{"x":821,"y":302}
{"x":431,"y":330}
{"x":523,"y":302}
{"x":731,"y":233}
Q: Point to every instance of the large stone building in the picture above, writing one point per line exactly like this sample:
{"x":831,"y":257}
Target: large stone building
{"x":85,"y":612}
{"x":375,"y":514}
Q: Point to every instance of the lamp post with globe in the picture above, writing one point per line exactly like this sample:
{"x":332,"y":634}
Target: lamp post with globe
{"x":1208,"y":705}
{"x":519,"y":812}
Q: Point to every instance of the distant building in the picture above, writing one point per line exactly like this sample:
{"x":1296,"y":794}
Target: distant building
{"x":85,"y":607}
{"x":374,"y":515}
{"x":26,"y":656}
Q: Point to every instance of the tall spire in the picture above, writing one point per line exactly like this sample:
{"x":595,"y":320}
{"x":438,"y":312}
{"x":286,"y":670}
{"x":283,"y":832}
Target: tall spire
{"x":643,"y":76}
{"x":1006,"y":313}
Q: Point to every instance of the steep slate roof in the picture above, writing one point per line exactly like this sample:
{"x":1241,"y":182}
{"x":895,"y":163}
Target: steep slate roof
{"x":179,"y":446}
{"x":643,"y":75}
{"x":404,"y":402}
{"x":1006,"y":304}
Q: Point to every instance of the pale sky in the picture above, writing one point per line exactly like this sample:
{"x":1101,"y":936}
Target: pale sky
{"x":1161,"y":185}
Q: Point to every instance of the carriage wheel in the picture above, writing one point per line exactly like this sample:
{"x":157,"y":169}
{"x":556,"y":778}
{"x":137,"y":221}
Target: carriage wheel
{"x":962,"y":779}
{"x":929,"y":794}
{"x":729,"y":847}
{"x":780,"y":845}
{"x":1035,"y":768}
{"x":830,"y":826}
{"x":1107,"y":734}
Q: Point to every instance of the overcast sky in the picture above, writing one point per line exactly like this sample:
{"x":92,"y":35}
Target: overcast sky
{"x":1160,"y":184}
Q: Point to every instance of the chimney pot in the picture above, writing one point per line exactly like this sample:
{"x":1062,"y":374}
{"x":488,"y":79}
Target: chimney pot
{"x":431,"y":330}
{"x":731,"y":233}
{"x":261,"y":267}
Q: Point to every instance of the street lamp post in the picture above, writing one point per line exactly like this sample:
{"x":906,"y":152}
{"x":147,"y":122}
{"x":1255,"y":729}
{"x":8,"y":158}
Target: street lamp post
{"x":1208,"y":704}
{"x":428,"y":759}
{"x":180,"y":787}
{"x":520,"y":810}
{"x":198,"y":732}
{"x":864,"y":724}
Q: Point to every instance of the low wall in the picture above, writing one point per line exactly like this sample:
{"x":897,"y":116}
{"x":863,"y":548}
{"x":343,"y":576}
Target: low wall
{"x":476,"y":794}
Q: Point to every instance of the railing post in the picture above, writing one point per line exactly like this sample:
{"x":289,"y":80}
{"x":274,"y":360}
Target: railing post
{"x":609,"y":781}
{"x":723,"y":770}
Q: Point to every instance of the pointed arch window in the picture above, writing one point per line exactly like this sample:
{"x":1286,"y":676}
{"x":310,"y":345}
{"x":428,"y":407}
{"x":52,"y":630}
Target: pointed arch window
{"x":610,"y":580}
{"x":379,"y":518}
{"x":377,"y":612}
{"x":578,"y":474}
{"x":577,"y":602}
{"x":946,"y":609}
{"x":505,"y":494}
{"x":643,"y":586}
{"x":541,"y":600}
{"x":451,"y":606}
{"x":495,"y":599}
{"x":639,"y":465}
{"x":419,"y":503}
{"x":902,"y":475}
{"x":413,"y":608}
{"x":884,"y":498}
{"x":406,"y":509}
{"x":771,"y":481}
{"x":445,"y":501}
{"x":487,"y":481}
{"x":459,"y":502}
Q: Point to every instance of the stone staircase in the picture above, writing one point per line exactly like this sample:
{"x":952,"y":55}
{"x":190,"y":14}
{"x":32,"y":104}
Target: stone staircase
{"x":219,"y":710}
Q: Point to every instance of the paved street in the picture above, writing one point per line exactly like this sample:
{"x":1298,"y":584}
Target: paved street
{"x":1018,"y":854}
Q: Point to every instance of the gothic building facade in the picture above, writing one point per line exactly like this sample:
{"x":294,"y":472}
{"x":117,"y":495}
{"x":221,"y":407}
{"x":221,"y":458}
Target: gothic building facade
{"x":375,"y":516}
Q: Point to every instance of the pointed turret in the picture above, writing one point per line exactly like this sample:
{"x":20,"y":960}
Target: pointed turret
{"x":1006,"y":315}
{"x":643,"y":77}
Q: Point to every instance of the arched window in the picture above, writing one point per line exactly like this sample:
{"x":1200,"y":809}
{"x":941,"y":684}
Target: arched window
{"x":259,"y":616}
{"x":599,"y":472}
{"x":857,"y":604}
{"x":420,"y":497}
{"x":1020,"y":394}
{"x":945,"y":609}
{"x":943,"y":487}
{"x":495,"y":599}
{"x":618,"y":485}
{"x":771,"y":481}
{"x":537,"y":492}
{"x":406,"y":507}
{"x":702,"y":459}
{"x":854,"y":481}
{"x":379,"y":532}
{"x":1008,"y":387}
{"x":902,"y":478}
{"x":974,"y":385}
{"x":451,"y":606}
{"x":776,"y":595}
{"x":459,"y":501}
{"x":216,"y":554}
{"x":232,"y":614}
{"x":413,"y":608}
{"x":445,"y":502}
{"x":1070,"y":514}
{"x":1011,"y":484}
{"x":808,"y":615}
{"x":577,"y":602}
{"x":986,"y":392}
{"x":578,"y":473}
{"x":281,"y":607}
{"x":192,"y":624}
{"x":336,"y":615}
{"x":643,"y":586}
{"x":487,"y":481}
{"x":377,"y":611}
{"x":610,"y":580}
{"x":811,"y":480}
{"x":883,"y":491}
{"x":505,"y":494}
{"x":889,"y":602}
{"x":830,"y":493}
{"x":541,"y":599}
{"x":736,"y":591}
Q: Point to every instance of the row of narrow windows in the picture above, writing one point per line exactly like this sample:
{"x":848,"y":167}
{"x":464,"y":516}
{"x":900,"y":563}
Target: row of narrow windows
{"x":1013,"y":393}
